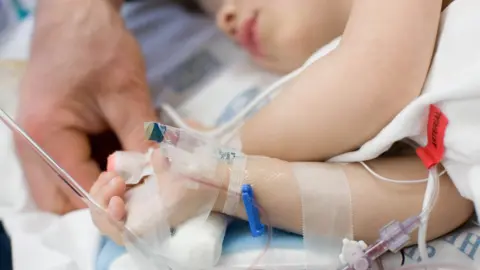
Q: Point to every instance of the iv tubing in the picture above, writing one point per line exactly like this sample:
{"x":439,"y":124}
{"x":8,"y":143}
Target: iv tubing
{"x":430,"y":198}
{"x":394,"y":239}
{"x":175,"y":117}
{"x":67,"y":178}
{"x":383,"y":178}
{"x":70,"y":181}
{"x":431,"y":194}
{"x":262,"y":212}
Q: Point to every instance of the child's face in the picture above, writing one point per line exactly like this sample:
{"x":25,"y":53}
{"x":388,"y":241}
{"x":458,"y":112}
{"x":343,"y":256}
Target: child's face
{"x":281,"y":34}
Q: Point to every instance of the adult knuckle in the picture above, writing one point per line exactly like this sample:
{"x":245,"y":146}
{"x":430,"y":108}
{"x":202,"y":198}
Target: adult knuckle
{"x":33,"y":125}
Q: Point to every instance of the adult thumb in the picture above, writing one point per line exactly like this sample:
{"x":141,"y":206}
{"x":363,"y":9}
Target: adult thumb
{"x":126,"y":115}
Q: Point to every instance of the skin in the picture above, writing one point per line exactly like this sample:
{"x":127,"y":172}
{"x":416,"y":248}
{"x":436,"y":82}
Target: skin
{"x":282,"y":24}
{"x":85,"y":69}
{"x":385,"y":70}
{"x":276,"y":191}
{"x":64,"y":105}
{"x":362,"y":97}
{"x":61,"y":103}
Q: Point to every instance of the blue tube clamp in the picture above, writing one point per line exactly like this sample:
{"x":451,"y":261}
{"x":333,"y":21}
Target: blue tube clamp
{"x":256,"y":226}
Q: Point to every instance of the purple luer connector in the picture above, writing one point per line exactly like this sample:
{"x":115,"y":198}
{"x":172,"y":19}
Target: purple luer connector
{"x":393,"y":237}
{"x":397,"y":234}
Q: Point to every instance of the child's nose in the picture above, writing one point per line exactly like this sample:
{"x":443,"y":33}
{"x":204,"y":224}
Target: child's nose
{"x":227,"y":20}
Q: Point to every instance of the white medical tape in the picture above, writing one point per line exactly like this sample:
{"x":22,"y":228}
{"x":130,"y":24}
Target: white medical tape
{"x":133,"y":167}
{"x":326,"y":211}
{"x":196,"y":155}
{"x":237,"y":176}
{"x":196,"y":158}
{"x":137,"y":177}
{"x":237,"y":170}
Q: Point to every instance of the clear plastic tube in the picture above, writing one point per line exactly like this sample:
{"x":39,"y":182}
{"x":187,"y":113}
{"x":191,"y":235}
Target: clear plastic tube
{"x":193,"y":143}
{"x":67,"y":178}
{"x":171,"y":137}
{"x":62,"y":174}
{"x":220,"y":131}
{"x":396,"y":234}
{"x":263,"y":215}
{"x":174,"y":136}
{"x":430,"y":198}
{"x":394,"y":181}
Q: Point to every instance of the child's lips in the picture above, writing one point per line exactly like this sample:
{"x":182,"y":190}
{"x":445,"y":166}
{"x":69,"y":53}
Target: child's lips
{"x":247,"y":36}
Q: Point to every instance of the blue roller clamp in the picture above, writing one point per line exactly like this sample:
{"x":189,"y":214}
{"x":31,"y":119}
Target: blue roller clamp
{"x":256,"y":227}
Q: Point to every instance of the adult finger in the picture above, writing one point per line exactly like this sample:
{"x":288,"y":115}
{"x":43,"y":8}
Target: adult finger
{"x":126,"y":113}
{"x":70,"y":149}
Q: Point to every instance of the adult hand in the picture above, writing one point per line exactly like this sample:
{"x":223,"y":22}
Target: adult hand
{"x":86,"y":76}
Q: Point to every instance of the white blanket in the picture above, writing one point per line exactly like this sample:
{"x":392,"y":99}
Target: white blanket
{"x":453,"y":85}
{"x":48,"y":242}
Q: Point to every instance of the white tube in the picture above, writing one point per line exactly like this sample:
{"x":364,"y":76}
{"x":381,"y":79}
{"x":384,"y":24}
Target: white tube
{"x":271,"y":90}
{"x":431,"y":194}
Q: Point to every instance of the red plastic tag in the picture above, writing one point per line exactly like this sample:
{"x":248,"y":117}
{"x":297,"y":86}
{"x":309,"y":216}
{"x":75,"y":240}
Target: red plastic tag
{"x":433,"y":152}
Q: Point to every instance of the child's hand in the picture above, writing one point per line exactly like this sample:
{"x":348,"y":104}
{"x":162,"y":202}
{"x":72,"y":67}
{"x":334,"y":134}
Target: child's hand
{"x":183,"y":195}
{"x":170,"y":197}
{"x":109,"y":192}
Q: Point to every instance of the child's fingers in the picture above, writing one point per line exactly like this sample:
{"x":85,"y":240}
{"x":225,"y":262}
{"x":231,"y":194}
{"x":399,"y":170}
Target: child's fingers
{"x":116,"y":208}
{"x":115,"y":187}
{"x":102,"y":180}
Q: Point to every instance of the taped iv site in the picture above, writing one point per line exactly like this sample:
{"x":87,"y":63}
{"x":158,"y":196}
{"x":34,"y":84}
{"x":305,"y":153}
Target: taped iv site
{"x":195,"y":163}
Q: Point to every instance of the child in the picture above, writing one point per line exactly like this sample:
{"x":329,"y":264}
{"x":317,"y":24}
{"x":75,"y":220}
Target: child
{"x":352,"y":93}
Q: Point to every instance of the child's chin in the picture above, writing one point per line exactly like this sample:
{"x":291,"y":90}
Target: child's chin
{"x":276,"y":67}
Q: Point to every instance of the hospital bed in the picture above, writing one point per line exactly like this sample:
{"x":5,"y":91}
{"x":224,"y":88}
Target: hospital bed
{"x":46,"y":241}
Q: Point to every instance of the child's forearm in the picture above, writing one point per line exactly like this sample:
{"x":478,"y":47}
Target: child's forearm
{"x":374,"y":202}
{"x":347,"y":97}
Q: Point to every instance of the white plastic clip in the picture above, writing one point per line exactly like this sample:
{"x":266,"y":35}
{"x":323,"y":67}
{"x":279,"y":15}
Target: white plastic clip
{"x":353,"y":254}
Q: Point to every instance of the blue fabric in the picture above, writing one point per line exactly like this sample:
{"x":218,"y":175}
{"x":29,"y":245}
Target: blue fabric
{"x":108,"y":252}
{"x":237,"y":239}
{"x":5,"y":250}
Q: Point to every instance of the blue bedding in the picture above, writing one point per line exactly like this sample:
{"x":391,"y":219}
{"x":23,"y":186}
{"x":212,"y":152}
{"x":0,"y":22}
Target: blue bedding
{"x":237,"y":239}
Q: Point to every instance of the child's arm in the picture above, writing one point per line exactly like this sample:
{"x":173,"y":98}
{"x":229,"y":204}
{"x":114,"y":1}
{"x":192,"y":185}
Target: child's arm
{"x":348,"y":193}
{"x":348,"y":96}
{"x":374,"y":203}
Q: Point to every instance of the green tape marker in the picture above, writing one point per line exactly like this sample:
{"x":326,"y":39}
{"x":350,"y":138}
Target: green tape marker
{"x":154,"y":131}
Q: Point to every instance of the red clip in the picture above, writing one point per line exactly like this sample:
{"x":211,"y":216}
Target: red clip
{"x":433,"y":152}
